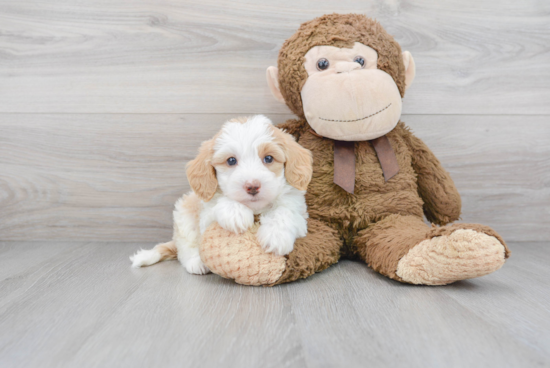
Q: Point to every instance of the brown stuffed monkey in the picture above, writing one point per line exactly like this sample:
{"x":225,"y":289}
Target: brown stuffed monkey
{"x":373,"y":181}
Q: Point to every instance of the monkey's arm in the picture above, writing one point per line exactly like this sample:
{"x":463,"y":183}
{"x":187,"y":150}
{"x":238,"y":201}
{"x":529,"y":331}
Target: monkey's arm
{"x":442,"y":202}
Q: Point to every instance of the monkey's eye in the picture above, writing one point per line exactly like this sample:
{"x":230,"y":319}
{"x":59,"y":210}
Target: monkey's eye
{"x":360,"y":60}
{"x":268,"y":159}
{"x":231,"y":161}
{"x":322,"y":64}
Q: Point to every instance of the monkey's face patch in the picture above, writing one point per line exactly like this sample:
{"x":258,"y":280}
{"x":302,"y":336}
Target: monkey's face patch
{"x":346,"y":97}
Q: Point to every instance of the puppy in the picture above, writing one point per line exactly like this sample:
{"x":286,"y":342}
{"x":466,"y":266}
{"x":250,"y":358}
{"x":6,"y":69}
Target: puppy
{"x":249,"y":168}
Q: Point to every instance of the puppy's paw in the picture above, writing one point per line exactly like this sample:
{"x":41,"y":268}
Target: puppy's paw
{"x":275,"y":240}
{"x":235,"y":218}
{"x":195,"y":266}
{"x":145,"y":258}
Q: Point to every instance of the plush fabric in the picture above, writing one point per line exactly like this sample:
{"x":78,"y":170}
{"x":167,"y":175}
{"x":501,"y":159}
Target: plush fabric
{"x":459,"y":255}
{"x":374,"y":198}
{"x":381,"y":222}
{"x":345,"y":104}
{"x":339,"y":30}
{"x":240,"y":257}
{"x":314,"y":253}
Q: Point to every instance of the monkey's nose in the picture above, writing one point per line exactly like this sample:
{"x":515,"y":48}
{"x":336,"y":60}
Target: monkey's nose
{"x":346,"y":66}
{"x":252,"y":187}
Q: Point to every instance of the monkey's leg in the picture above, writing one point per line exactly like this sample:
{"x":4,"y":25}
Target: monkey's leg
{"x":315,"y":252}
{"x":405,"y":249}
{"x":241,"y":258}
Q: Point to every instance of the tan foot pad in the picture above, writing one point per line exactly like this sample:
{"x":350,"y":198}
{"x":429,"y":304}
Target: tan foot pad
{"x":463,"y":254}
{"x":240,"y":257}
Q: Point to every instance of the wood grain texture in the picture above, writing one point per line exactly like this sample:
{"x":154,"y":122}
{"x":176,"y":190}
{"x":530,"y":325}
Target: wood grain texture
{"x":117,"y":176}
{"x":106,"y":177}
{"x":173,"y":56}
{"x":81,"y":305}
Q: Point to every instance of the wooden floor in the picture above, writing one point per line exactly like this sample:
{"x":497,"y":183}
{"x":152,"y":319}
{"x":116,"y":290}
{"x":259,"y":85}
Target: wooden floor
{"x":81,"y":305}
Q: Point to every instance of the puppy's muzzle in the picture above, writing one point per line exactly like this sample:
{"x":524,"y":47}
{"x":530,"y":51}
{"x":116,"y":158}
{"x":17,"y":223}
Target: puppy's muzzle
{"x":252,"y":187}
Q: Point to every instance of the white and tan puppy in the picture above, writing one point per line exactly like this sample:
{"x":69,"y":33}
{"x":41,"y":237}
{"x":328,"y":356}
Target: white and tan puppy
{"x":249,"y":168}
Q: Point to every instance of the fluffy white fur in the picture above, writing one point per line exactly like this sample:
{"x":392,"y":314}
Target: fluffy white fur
{"x":281,"y":207}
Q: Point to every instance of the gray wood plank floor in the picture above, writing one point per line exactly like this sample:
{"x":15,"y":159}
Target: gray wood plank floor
{"x":70,"y":304}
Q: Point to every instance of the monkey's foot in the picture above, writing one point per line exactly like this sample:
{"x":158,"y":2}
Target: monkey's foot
{"x":240,"y":257}
{"x":462,"y":254}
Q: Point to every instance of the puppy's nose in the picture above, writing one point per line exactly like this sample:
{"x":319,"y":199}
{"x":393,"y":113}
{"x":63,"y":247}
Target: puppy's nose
{"x":252,"y":187}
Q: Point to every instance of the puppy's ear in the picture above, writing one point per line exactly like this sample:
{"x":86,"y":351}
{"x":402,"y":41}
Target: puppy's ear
{"x":299,"y":163}
{"x":201,"y":174}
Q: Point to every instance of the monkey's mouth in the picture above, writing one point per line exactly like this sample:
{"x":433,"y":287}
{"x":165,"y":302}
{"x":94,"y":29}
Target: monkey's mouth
{"x":351,"y":121}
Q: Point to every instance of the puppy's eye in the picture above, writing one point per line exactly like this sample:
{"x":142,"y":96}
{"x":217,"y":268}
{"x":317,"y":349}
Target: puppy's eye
{"x":360,"y":60}
{"x":268,"y":159}
{"x":322,"y":64}
{"x":232,"y":161}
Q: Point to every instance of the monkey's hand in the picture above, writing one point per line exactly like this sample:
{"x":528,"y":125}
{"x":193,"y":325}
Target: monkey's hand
{"x":442,"y":203}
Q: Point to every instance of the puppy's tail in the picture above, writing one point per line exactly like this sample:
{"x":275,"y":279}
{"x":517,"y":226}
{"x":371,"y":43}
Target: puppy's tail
{"x":161,"y":252}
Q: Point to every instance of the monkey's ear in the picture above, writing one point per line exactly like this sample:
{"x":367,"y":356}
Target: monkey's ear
{"x":410,"y":70}
{"x":272,"y":75}
{"x":201,"y":174}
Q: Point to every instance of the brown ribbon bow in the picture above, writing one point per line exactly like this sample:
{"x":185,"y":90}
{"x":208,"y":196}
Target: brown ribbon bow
{"x":344,"y":161}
